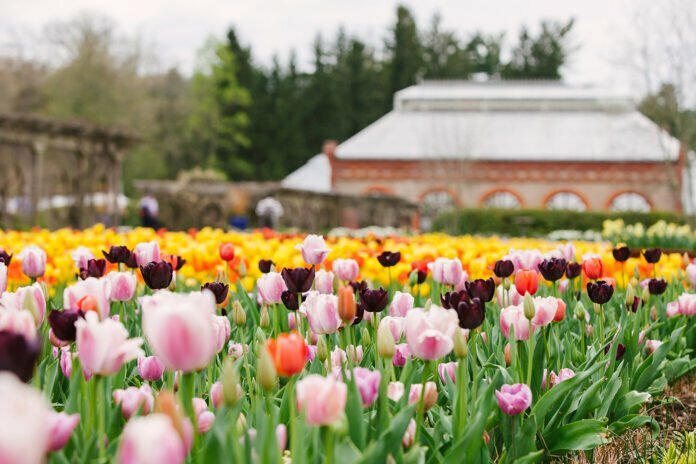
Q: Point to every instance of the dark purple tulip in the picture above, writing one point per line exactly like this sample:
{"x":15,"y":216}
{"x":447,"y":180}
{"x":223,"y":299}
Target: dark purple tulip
{"x":117,"y":254}
{"x":359,"y":314}
{"x":374,"y":301}
{"x":389,"y":259}
{"x":573,"y":270}
{"x":481,"y":289}
{"x":298,"y":280}
{"x":451,"y":300}
{"x":503,"y":268}
{"x":290,"y":300}
{"x":265,"y":265}
{"x":633,"y":306}
{"x":599,"y":292}
{"x":657,"y":286}
{"x":421,"y":276}
{"x":219,"y":289}
{"x":4,"y":257}
{"x":63,"y":323}
{"x":157,"y":275}
{"x":132,"y":262}
{"x":18,"y":355}
{"x":621,"y":254}
{"x":553,"y":269}
{"x":359,"y":285}
{"x":652,"y":255}
{"x":177,"y":262}
{"x":471,"y":313}
{"x":620,"y":350}
{"x":95,"y":268}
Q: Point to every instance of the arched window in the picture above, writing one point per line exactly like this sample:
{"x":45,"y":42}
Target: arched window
{"x":566,"y":200}
{"x":630,"y":201}
{"x":378,"y":191}
{"x":437,"y":201}
{"x":501,"y":199}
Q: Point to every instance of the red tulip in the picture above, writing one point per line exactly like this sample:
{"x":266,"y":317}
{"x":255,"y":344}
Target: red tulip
{"x":526,"y":281}
{"x":289,"y":353}
{"x":593,"y":267}
{"x":226,"y":251}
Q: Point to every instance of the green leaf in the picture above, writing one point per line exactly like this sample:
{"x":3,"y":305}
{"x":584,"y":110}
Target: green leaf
{"x":580,"y":435}
{"x":354,"y":414}
{"x":531,"y":458}
{"x":390,"y":441}
{"x":630,"y":422}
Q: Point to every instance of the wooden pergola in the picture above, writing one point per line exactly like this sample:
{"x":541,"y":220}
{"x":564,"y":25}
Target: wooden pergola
{"x":42,"y":158}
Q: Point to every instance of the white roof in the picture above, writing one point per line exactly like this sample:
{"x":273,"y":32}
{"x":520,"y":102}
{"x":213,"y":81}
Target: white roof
{"x":511,"y":121}
{"x":314,"y":175}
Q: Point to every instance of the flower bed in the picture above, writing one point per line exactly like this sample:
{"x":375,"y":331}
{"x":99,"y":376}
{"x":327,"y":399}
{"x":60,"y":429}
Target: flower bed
{"x":262,"y":347}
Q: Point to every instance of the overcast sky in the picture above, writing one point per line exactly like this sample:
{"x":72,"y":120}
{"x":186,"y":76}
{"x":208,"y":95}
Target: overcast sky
{"x":177,"y":28}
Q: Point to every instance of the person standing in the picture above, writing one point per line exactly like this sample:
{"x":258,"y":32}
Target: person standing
{"x":149,"y":209}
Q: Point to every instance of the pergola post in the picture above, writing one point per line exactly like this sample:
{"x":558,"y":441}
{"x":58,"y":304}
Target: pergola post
{"x":37,"y":149}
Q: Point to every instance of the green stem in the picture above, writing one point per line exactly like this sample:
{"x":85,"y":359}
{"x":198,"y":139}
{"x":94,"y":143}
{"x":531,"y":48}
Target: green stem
{"x":186,"y":387}
{"x":462,"y":381}
{"x":247,"y":369}
{"x":421,"y":404}
{"x":530,"y":356}
{"x":329,"y":458}
{"x":601,"y":326}
{"x":294,"y":444}
{"x":103,"y":400}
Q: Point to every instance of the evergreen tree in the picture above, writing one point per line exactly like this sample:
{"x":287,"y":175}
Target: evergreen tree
{"x":540,"y":57}
{"x":443,"y":55}
{"x":404,"y":54}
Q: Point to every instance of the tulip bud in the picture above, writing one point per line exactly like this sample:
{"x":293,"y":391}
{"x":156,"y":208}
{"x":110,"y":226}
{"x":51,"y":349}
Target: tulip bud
{"x":580,"y":311}
{"x":597,"y":308}
{"x":508,"y":354}
{"x":528,"y":305}
{"x":653,"y":313}
{"x":645,"y":296}
{"x":322,"y":349}
{"x":461,"y":348}
{"x":365,"y":336}
{"x":507,"y":284}
{"x":630,"y":294}
{"x":264,"y":318}
{"x":241,"y":424}
{"x":238,"y":313}
{"x":266,"y":370}
{"x":385,"y":342}
{"x":242,"y":270}
{"x":347,"y":308}
{"x":428,"y":304}
{"x":634,"y":282}
{"x":413,"y":277}
{"x":230,"y":384}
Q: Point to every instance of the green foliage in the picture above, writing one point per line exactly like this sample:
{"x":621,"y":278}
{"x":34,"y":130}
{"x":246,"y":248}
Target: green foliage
{"x":531,"y":222}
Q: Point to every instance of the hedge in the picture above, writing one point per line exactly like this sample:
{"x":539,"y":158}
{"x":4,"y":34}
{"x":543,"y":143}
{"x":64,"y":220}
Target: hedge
{"x":538,"y":222}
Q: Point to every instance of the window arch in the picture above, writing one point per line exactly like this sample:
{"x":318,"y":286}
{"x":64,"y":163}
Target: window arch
{"x":566,"y":200}
{"x":504,"y":199}
{"x":438,"y":201}
{"x":629,"y":201}
{"x":378,"y":191}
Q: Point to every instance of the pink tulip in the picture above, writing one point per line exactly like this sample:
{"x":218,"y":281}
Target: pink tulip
{"x":691,"y":274}
{"x":395,"y":326}
{"x":401,"y":354}
{"x":322,"y":399}
{"x":180,"y":328}
{"x":103,"y":347}
{"x":686,"y":305}
{"x":314,"y":249}
{"x":141,"y":433}
{"x":30,"y":298}
{"x":216,"y":395}
{"x":123,"y":285}
{"x":281,"y":436}
{"x":81,"y":255}
{"x":525,"y":259}
{"x":61,"y":427}
{"x":401,"y":304}
{"x":429,"y":397}
{"x":429,"y":333}
{"x":323,"y":281}
{"x":545,"y":310}
{"x":236,"y":350}
{"x":652,"y":345}
{"x":447,"y":370}
{"x":355,"y":355}
{"x":446,"y":271}
{"x":462,"y":282}
{"x":134,"y":399}
{"x":19,"y":322}
{"x":564,"y":374}
{"x":292,"y":320}
{"x":66,"y":361}
{"x":339,"y":357}
{"x":514,"y":399}
{"x":92,"y":290}
{"x":150,"y":368}
{"x":204,"y":418}
{"x":222,"y":331}
{"x":565,"y":251}
{"x":513,"y":316}
{"x":25,"y":426}
{"x":33,"y":261}
{"x":346,"y":269}
{"x":395,"y":390}
{"x":409,"y":435}
{"x":563,"y":285}
{"x":512,"y":298}
{"x":322,"y":313}
{"x":367,"y":382}
{"x":311,"y":353}
{"x":3,"y":278}
{"x":147,"y":252}
{"x":270,"y":287}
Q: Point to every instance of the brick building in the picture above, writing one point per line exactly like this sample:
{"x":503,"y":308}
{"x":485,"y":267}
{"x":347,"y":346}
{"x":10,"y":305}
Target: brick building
{"x":510,"y":145}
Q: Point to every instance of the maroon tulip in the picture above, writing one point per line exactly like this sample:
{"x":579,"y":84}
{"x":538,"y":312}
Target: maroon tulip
{"x":117,"y":254}
{"x":573,"y":270}
{"x":621,"y":254}
{"x":374,"y":301}
{"x":471,"y":313}
{"x":265,"y":265}
{"x":359,"y":314}
{"x":620,"y":350}
{"x":633,"y":306}
{"x":599,"y":292}
{"x":359,"y":285}
{"x":218,"y":289}
{"x":4,"y":257}
{"x":63,"y":323}
{"x":157,"y":275}
{"x":553,"y":269}
{"x":503,"y":268}
{"x":298,"y":280}
{"x":451,"y":300}
{"x":177,"y":262}
{"x":481,"y":289}
{"x":95,"y":268}
{"x":18,"y":355}
{"x":291,"y":300}
{"x":652,"y":255}
{"x":657,"y":286}
{"x":389,"y":259}
{"x":132,"y":261}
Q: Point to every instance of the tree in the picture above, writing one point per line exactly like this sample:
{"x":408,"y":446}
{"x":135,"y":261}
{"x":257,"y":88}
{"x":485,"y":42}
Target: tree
{"x":443,"y":55}
{"x":404,"y":54}
{"x":540,"y":57}
{"x":484,"y":54}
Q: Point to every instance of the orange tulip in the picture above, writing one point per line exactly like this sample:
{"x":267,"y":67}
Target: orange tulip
{"x":289,"y":353}
{"x":593,"y":267}
{"x":347,"y":308}
{"x":526,"y":281}
{"x":560,"y":311}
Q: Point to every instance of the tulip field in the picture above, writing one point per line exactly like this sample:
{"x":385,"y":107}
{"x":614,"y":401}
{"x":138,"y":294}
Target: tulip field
{"x":262,"y":347}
